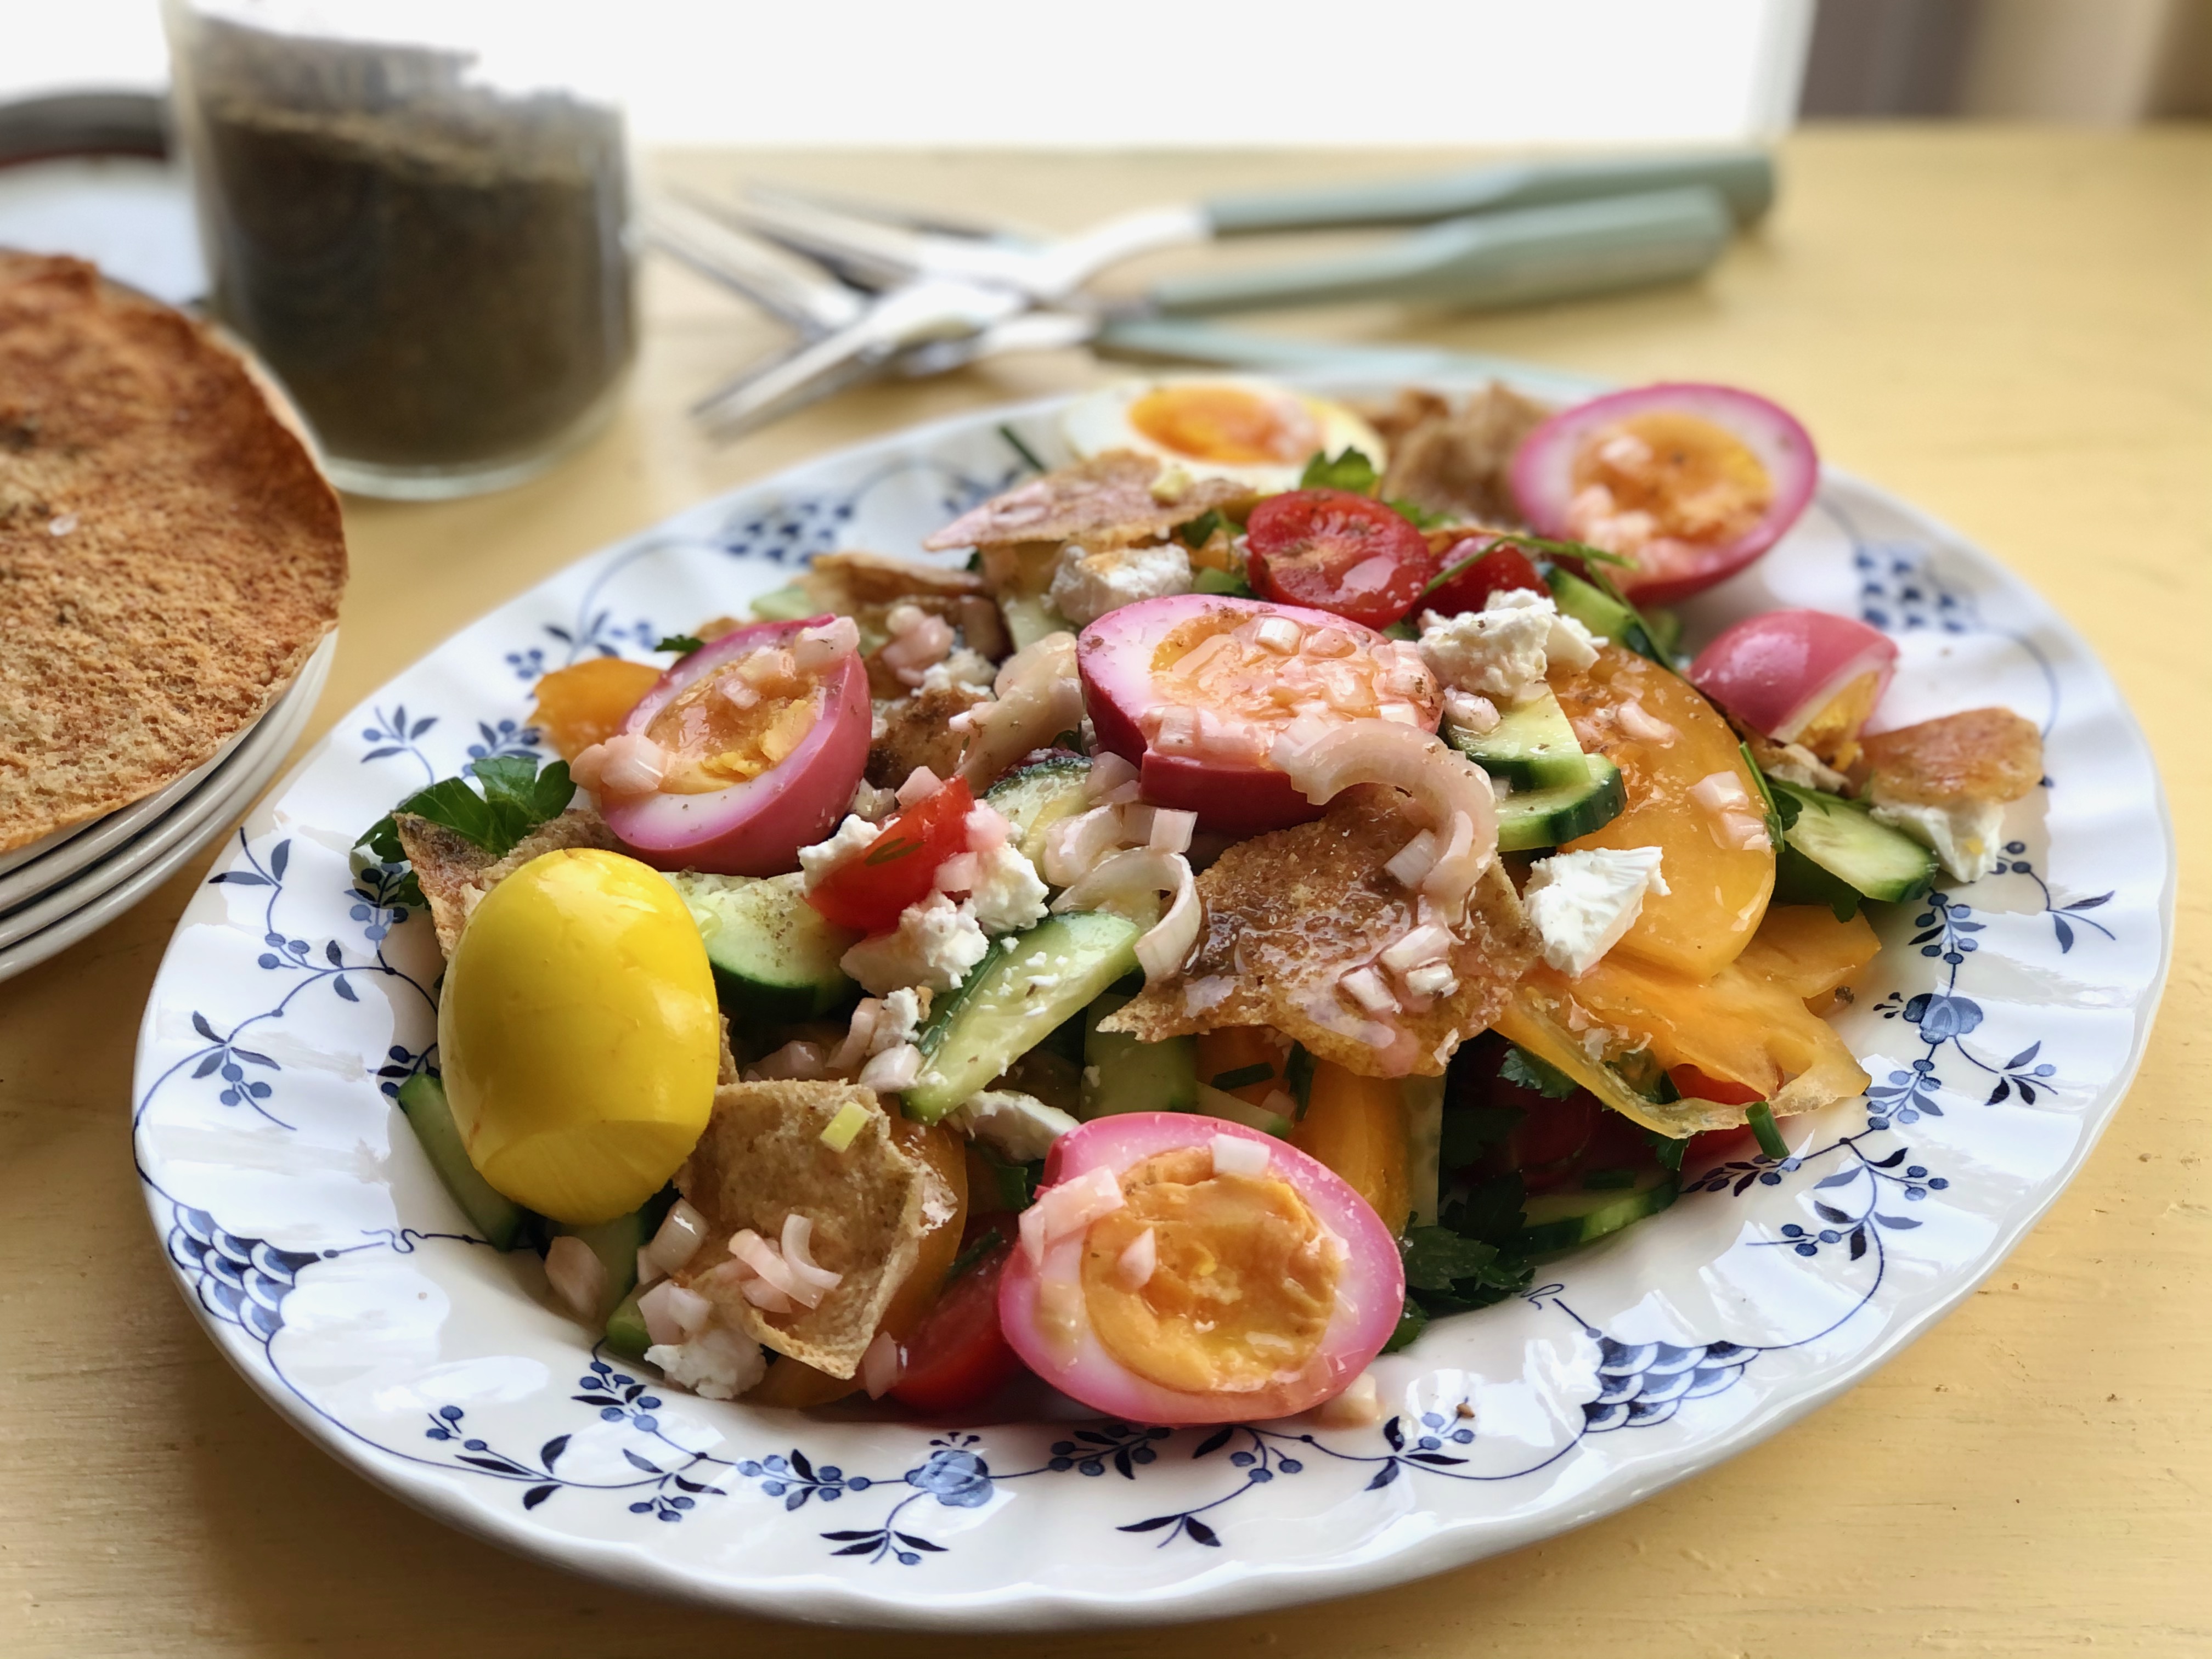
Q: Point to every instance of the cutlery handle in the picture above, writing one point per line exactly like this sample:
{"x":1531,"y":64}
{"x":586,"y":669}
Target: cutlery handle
{"x":1487,"y":261}
{"x":1745,"y":178}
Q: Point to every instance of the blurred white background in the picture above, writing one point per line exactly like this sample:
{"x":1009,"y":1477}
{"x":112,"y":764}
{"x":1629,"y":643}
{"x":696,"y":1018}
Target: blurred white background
{"x":1152,"y":73}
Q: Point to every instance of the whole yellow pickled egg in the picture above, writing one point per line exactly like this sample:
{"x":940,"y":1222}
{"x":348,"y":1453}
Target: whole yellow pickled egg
{"x":579,"y":1035}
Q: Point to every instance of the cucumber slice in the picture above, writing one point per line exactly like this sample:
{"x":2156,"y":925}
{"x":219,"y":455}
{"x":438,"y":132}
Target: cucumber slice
{"x":775,"y":956}
{"x":1011,"y":1000}
{"x":1029,"y":617}
{"x":1840,"y":837}
{"x":1545,"y":817}
{"x":1566,"y":1221}
{"x":1531,"y":747}
{"x":491,"y":1213}
{"x":1424,"y":1098}
{"x":626,"y":1332}
{"x":1232,"y":1108}
{"x":1037,"y":797}
{"x":1121,"y":1074}
{"x":792,"y":604}
{"x":1603,"y":615}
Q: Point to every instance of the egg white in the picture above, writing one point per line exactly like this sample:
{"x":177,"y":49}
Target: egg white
{"x":1099,"y":422}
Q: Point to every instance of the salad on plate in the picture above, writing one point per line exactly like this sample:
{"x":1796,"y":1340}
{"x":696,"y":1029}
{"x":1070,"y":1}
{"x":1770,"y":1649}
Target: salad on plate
{"x":1265,"y":884}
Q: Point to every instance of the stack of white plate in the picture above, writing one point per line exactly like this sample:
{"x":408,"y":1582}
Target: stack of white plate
{"x":55,"y":891}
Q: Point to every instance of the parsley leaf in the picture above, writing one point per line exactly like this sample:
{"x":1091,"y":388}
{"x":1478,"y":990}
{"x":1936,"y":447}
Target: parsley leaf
{"x":1417,"y":515}
{"x":1211,"y":580}
{"x":1435,"y":1256}
{"x":1029,"y":456}
{"x":1411,"y":1323}
{"x":1298,"y":1076}
{"x":1468,"y":1129}
{"x":1524,"y":1068}
{"x":682,"y":644}
{"x":974,"y":1253}
{"x":1199,"y":530}
{"x":1350,"y":470}
{"x":517,"y":798}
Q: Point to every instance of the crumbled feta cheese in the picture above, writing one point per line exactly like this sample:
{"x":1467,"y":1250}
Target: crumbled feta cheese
{"x":1086,"y":585}
{"x":1019,"y":1126}
{"x":1470,"y":713}
{"x":1581,"y":903}
{"x":935,"y":944}
{"x":1965,"y":836}
{"x":1008,"y":893}
{"x":855,"y":833}
{"x":1568,"y":644}
{"x":714,"y":1365}
{"x":964,"y":668}
{"x":898,"y":1020}
{"x":1495,"y":652}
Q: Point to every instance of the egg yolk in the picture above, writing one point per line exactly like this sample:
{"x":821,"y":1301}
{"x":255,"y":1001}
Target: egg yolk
{"x":1666,"y":476}
{"x":1233,"y":425}
{"x":1252,"y":676}
{"x":1833,"y":733}
{"x":726,"y":728}
{"x":586,"y":702}
{"x":1244,"y":1281}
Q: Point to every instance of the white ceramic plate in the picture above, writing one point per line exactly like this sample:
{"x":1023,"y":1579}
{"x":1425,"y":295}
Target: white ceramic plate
{"x":2001,"y":1025}
{"x":99,"y":894}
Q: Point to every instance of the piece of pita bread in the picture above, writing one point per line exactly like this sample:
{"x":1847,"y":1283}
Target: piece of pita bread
{"x":170,"y":555}
{"x":762,"y":1159}
{"x":1109,"y":500}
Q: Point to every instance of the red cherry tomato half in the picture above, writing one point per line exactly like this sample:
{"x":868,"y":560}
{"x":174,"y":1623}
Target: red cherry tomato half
{"x":1336,"y":551}
{"x":867,"y":889}
{"x":1695,"y":1085}
{"x":1504,"y":566}
{"x":957,"y":1356}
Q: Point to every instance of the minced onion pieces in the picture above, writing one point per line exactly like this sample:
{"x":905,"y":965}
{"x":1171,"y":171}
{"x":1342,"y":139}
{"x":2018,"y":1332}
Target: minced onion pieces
{"x":577,"y":1276}
{"x":1120,"y":882}
{"x":957,"y":874}
{"x":681,"y":1231}
{"x":1644,"y":727}
{"x":1068,"y":1208}
{"x":797,"y":1253}
{"x":649,"y":1272}
{"x":1235,"y":1155}
{"x":1412,"y":863}
{"x":799,"y":1059}
{"x":1108,"y":772}
{"x":1365,"y":986}
{"x":858,"y":1035}
{"x":1171,"y":830}
{"x":920,"y":784}
{"x":881,"y":1366}
{"x":1133,"y":1267}
{"x":1427,"y":943}
{"x":892,"y":1070}
{"x":767,"y":1264}
{"x":1074,"y":845}
{"x":988,"y":829}
{"x":674,"y":1314}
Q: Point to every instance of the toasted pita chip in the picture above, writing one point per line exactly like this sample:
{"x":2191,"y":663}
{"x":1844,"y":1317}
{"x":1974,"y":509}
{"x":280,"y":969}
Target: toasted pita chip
{"x":1986,"y":754}
{"x":1288,"y":913}
{"x":1460,"y":461}
{"x":169,"y":556}
{"x":455,"y":873}
{"x":913,"y":731}
{"x":763,"y":1159}
{"x":1108,"y":500}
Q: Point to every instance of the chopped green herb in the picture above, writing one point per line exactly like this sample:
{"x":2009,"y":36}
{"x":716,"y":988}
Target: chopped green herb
{"x":517,"y":798}
{"x":1490,"y":1212}
{"x":682,"y":644}
{"x":1436,"y":1256}
{"x":1029,"y":456}
{"x":1244,"y":1076}
{"x":1468,"y":1129}
{"x":1524,"y":1068}
{"x":1641,"y":1072}
{"x":1665,"y":628}
{"x":1417,"y":515}
{"x":1760,"y":1117}
{"x":1776,"y":823}
{"x":974,"y":1254}
{"x":1597,"y":1180}
{"x":897,"y":845}
{"x":1298,"y":1077}
{"x":1014,"y":1184}
{"x":1071,"y":740}
{"x":1199,"y":530}
{"x":1227,"y":582}
{"x":1411,"y":1323}
{"x":1669,"y":1148}
{"x":1350,"y":470}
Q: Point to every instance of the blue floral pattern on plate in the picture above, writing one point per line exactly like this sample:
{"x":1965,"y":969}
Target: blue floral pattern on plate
{"x":296,"y":1016}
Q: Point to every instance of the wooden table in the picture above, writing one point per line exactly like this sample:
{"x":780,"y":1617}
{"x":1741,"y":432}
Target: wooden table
{"x":2014,"y":329}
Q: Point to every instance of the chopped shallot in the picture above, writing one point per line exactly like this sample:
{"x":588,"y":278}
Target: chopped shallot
{"x":1412,"y":862}
{"x":1171,"y":830}
{"x":1073,"y":847}
{"x":1108,"y":772}
{"x":797,"y":1253}
{"x":798,"y":1060}
{"x":1427,"y":942}
{"x":892,"y":1070}
{"x":1645,"y":728}
{"x":1365,"y":986}
{"x":1068,"y":1208}
{"x":628,"y":763}
{"x":920,"y":784}
{"x":1132,"y":881}
{"x":957,"y":874}
{"x":673,"y":1314}
{"x":1235,"y":1155}
{"x":681,"y":1231}
{"x":1133,"y":1267}
{"x":881,"y":1366}
{"x":577,"y":1276}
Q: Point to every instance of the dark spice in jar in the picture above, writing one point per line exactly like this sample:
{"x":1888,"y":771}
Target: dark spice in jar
{"x":435,"y":270}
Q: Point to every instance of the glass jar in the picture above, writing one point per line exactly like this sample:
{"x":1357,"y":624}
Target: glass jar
{"x":423,"y":233}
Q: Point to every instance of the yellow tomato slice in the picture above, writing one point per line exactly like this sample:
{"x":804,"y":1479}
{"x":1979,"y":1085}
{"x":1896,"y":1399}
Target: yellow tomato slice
{"x":586,"y":702}
{"x":1806,"y":951}
{"x":1718,"y":891}
{"x":1357,"y":1126}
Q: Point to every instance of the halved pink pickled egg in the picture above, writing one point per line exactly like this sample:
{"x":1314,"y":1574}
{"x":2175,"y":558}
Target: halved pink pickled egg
{"x":1179,"y":1269}
{"x":746,"y":750}
{"x":1803,"y":677}
{"x":1194,"y":689}
{"x":1693,"y":482}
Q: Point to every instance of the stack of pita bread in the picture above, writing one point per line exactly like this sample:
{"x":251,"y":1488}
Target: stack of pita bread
{"x":170,"y":566}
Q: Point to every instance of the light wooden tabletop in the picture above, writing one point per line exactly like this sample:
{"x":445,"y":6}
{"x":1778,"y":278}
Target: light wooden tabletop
{"x":2013,"y":330}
